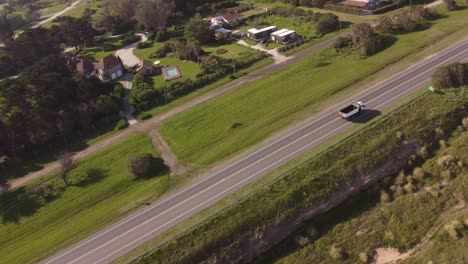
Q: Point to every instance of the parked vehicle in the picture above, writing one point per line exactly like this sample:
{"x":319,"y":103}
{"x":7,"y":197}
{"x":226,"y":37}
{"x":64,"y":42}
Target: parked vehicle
{"x":351,"y":111}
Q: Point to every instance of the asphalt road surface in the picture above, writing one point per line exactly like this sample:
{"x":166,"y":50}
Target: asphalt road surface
{"x":138,"y":228}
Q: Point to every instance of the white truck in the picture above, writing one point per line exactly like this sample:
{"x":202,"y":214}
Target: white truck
{"x":351,"y":111}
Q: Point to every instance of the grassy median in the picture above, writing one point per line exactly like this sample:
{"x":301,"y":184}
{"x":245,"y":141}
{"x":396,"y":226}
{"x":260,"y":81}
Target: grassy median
{"x":227,"y":125}
{"x":46,"y":216}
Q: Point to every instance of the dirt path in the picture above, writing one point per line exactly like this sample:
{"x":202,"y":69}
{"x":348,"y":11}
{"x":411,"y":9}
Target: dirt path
{"x":278,"y":57}
{"x":155,"y":121}
{"x":433,"y":4}
{"x":127,"y":110}
{"x":54,"y":16}
{"x":170,"y":159}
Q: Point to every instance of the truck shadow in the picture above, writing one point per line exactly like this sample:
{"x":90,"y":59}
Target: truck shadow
{"x":366,"y":116}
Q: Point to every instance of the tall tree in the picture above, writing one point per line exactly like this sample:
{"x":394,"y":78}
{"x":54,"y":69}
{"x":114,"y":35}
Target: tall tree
{"x":77,"y":32}
{"x":154,"y":14}
{"x":66,"y":165}
{"x":197,"y":29}
{"x":123,"y":9}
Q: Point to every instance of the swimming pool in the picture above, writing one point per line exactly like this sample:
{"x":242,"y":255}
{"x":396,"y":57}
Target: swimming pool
{"x":170,"y":73}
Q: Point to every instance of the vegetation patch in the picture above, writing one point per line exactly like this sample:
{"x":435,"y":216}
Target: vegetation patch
{"x":100,"y":190}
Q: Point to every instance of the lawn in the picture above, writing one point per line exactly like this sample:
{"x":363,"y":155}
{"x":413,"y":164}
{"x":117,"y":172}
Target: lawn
{"x":188,"y":69}
{"x":275,"y":101}
{"x":100,"y":192}
{"x":304,"y":28}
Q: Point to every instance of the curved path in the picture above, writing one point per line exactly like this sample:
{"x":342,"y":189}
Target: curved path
{"x":54,"y":16}
{"x":140,"y":227}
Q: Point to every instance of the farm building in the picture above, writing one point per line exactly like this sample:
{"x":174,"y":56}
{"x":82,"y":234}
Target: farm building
{"x":364,"y":4}
{"x":283,"y":35}
{"x":259,"y":34}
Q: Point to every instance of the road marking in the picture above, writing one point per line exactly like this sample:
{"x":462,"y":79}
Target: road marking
{"x":248,"y":178}
{"x":250,"y":165}
{"x":189,"y":187}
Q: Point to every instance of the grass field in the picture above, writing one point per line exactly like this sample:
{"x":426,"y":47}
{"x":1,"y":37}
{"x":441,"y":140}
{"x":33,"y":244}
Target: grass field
{"x":276,"y":101}
{"x":100,"y":192}
{"x":313,"y":180}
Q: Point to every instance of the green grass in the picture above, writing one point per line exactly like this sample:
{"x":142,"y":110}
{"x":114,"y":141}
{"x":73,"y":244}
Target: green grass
{"x":100,"y":192}
{"x":306,"y":29}
{"x":276,"y":101}
{"x":188,"y":69}
{"x":312,"y":181}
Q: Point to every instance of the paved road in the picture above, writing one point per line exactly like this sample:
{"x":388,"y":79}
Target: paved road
{"x":155,"y":121}
{"x":55,"y":15}
{"x":155,"y":219}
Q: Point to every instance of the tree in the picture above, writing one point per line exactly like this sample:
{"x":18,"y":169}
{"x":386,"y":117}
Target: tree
{"x":365,"y":40}
{"x":123,"y":9}
{"x":6,"y":33}
{"x":452,"y":75}
{"x":385,"y":25}
{"x":209,"y":64}
{"x":450,"y":4}
{"x":153,"y":14}
{"x":327,"y":22}
{"x":197,"y":29}
{"x":77,"y":32}
{"x":106,"y":19}
{"x":404,"y":21}
{"x":139,"y":165}
{"x":66,"y":165}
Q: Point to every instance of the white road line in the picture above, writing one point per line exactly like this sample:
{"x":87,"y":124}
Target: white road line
{"x":246,"y":179}
{"x":189,"y":187}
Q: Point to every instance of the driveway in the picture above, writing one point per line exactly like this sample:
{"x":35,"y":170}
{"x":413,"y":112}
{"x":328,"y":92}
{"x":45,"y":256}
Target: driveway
{"x":278,"y":57}
{"x":126,"y":53}
{"x":127,"y":110}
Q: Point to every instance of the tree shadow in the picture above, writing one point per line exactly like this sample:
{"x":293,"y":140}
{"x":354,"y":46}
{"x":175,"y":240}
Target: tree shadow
{"x":366,"y":116}
{"x":92,"y":176}
{"x":24,"y":202}
{"x":158,"y":168}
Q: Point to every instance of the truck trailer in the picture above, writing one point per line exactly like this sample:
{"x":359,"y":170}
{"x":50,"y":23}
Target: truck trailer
{"x":351,"y":111}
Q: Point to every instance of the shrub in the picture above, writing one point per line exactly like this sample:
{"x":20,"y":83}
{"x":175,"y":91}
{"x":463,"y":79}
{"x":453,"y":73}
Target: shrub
{"x":423,"y":152}
{"x":139,"y":165}
{"x":452,"y":75}
{"x":419,"y":174}
{"x":130,"y":38}
{"x":221,"y":51}
{"x":145,"y":116}
{"x":448,"y":174}
{"x":450,"y":4}
{"x":446,"y":161}
{"x":122,"y":124}
{"x":410,"y":188}
{"x":302,"y":241}
{"x":465,"y":122}
{"x":118,"y":91}
{"x":337,"y":253}
{"x":364,"y":257}
{"x":385,"y":197}
{"x":143,"y":45}
{"x":108,"y":47}
{"x":343,"y":42}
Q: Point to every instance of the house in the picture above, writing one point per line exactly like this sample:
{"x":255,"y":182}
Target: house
{"x":283,"y":36}
{"x":259,"y":34}
{"x":145,"y":67}
{"x":222,"y":33}
{"x":108,"y":68}
{"x":364,"y":4}
{"x":80,"y":65}
{"x":230,"y":19}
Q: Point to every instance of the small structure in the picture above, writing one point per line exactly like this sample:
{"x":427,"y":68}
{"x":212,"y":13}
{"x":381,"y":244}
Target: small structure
{"x":81,"y":65}
{"x":145,"y":67}
{"x":230,"y":19}
{"x":171,"y":73}
{"x":259,"y":34}
{"x":283,"y":36}
{"x":222,"y":33}
{"x":364,"y":4}
{"x":108,"y":68}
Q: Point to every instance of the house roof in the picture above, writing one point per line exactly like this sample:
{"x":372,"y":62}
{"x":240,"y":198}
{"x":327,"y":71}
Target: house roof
{"x":83,"y":65}
{"x":255,"y":31}
{"x":286,"y":33}
{"x":230,"y":17}
{"x":357,"y":3}
{"x":279,"y":32}
{"x":144,"y":64}
{"x":108,"y":62}
{"x":223,"y":30}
